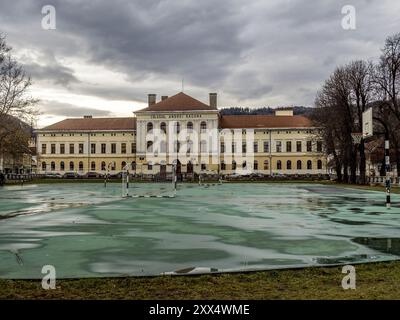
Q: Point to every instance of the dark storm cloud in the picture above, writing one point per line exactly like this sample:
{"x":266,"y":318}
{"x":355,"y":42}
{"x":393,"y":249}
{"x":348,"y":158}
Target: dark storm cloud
{"x":249,"y":50}
{"x":55,"y":108}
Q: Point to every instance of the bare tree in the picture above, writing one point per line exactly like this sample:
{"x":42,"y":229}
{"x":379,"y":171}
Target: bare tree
{"x":16,"y":105}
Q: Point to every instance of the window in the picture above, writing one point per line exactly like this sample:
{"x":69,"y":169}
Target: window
{"x":53,"y":148}
{"x":319,"y":165}
{"x":113,"y":148}
{"x":44,"y":166}
{"x":266,"y":146}
{"x":177,"y":127}
{"x":279,"y":146}
{"x":255,"y":165}
{"x":189,"y":126}
{"x":149,"y":146}
{"x":233,"y":147}
{"x":103,"y":148}
{"x":266,"y":165}
{"x":71,"y":148}
{"x":149,"y":166}
{"x":244,"y":147}
{"x":203,"y":167}
{"x":149,"y":126}
{"x":62,"y":148}
{"x":93,"y":166}
{"x":299,"y":165}
{"x":163,"y":127}
{"x":80,"y":165}
{"x":244,"y":165}
{"x":123,"y":148}
{"x":203,"y":146}
{"x":71,"y":166}
{"x":222,"y":147}
{"x":255,"y":146}
{"x":133,"y":147}
{"x":223,"y":165}
{"x":289,"y":165}
{"x":93,"y":148}
{"x":52,"y":166}
{"x":81,"y":148}
{"x":288,"y":146}
{"x":123,"y":165}
{"x":103,"y":166}
{"x":44,"y":146}
{"x":319,"y":146}
{"x":177,"y":146}
{"x":133,"y":165}
{"x":309,"y":165}
{"x":279,"y":165}
{"x":203,"y":126}
{"x":113,"y":166}
{"x":309,"y":146}
{"x":298,"y":146}
{"x":62,"y":166}
{"x":233,"y":165}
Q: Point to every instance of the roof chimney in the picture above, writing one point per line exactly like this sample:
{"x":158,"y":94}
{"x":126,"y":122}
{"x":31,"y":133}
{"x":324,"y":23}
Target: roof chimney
{"x":213,"y":100}
{"x":284,"y":112}
{"x":151,"y":99}
{"x":164,"y":98}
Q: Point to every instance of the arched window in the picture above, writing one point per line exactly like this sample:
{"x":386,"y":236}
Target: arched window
{"x":93,"y":166}
{"x":44,"y":166}
{"x":299,"y":165}
{"x":71,"y":166}
{"x":203,"y":126}
{"x":163,"y":127}
{"x":289,"y":165}
{"x":133,"y":165}
{"x":62,"y":166}
{"x":309,"y":165}
{"x":149,"y":146}
{"x":223,"y":165}
{"x":113,"y":166}
{"x":123,"y":165}
{"x":149,"y":165}
{"x":53,"y":166}
{"x":319,"y":164}
{"x":279,"y":165}
{"x":149,"y":126}
{"x":244,"y":165}
{"x":189,"y":147}
{"x":255,"y":165}
{"x":80,"y":165}
{"x":233,"y":165}
{"x":266,"y":165}
{"x":177,"y":127}
{"x":203,"y":166}
{"x":203,"y":146}
{"x":103,"y":166}
{"x":189,"y":126}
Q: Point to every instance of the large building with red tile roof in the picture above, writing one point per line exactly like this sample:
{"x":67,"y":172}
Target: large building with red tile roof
{"x":187,"y":132}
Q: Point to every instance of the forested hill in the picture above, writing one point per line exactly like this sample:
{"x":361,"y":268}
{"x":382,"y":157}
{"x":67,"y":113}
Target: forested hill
{"x":298,"y":110}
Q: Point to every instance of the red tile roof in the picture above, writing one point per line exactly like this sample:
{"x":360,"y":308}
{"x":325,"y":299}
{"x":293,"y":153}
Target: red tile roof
{"x":94,"y":124}
{"x":179,"y":102}
{"x":264,"y":121}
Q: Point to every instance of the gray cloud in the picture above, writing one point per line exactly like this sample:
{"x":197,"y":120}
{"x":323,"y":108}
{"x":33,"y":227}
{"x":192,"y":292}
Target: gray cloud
{"x":55,"y":108}
{"x":250,"y":51}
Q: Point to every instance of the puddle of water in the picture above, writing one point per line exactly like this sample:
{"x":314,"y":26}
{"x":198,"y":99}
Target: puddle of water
{"x":86,"y":230}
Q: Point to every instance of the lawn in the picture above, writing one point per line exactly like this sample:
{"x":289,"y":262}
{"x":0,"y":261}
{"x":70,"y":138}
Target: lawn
{"x":373,"y":281}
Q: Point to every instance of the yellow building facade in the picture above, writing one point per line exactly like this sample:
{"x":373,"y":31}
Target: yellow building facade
{"x":189,"y":133}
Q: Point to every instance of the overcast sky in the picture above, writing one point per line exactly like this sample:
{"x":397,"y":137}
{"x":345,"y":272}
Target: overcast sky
{"x":105,"y":56}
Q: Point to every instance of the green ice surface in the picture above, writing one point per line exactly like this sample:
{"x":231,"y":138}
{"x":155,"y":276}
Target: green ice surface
{"x":86,"y":230}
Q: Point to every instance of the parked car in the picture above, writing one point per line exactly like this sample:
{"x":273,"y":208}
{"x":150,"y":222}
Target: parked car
{"x":70,"y":175}
{"x":53,"y":175}
{"x":93,"y":175}
{"x":115,"y":175}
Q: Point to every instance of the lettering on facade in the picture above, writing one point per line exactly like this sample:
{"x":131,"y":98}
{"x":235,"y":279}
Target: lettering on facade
{"x":175,"y":116}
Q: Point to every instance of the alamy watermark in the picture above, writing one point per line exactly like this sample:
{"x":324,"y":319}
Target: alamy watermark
{"x":49,"y":19}
{"x":49,"y":280}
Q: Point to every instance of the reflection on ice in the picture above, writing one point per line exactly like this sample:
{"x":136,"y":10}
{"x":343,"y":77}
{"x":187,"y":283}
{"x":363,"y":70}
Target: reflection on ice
{"x":86,"y":230}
